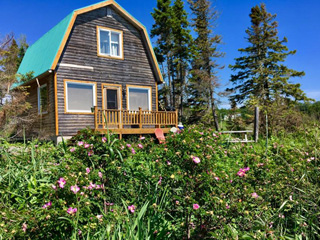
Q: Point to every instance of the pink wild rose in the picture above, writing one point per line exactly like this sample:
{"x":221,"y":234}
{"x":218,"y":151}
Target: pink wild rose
{"x":196,"y":206}
{"x":100,"y":174}
{"x":254,"y":195}
{"x":71,"y":210}
{"x":104,"y":139}
{"x":72,"y":149}
{"x":86,"y":145}
{"x":88,"y":170}
{"x":196,"y":160}
{"x":62,"y":182}
{"x":131,"y":208}
{"x":75,"y":189}
{"x":140,"y":145}
{"x":24,"y":227}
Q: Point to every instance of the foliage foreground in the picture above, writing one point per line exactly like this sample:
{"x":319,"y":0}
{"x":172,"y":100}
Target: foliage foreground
{"x":194,"y":186}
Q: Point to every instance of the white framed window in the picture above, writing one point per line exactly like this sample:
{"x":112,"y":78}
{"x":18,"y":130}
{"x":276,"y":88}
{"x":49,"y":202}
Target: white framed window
{"x":139,"y":96}
{"x":43,"y":99}
{"x":110,"y":42}
{"x":80,"y":96}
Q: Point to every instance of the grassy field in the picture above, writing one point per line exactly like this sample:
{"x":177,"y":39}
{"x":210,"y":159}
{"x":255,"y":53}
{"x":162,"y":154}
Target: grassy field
{"x":195,"y":186}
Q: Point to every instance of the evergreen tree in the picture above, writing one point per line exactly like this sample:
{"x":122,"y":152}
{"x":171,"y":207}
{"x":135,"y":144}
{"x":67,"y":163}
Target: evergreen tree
{"x":181,"y":55}
{"x":260,"y":75}
{"x":162,"y":29}
{"x":204,"y":81}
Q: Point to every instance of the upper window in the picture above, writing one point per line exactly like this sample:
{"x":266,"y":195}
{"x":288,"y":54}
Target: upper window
{"x":80,"y":96}
{"x":139,"y":97}
{"x":43,"y":99}
{"x":109,"y":42}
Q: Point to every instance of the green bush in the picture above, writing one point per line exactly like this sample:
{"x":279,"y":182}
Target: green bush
{"x":196,"y":185}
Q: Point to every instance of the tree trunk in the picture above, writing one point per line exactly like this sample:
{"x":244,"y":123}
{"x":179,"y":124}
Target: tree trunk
{"x":170,"y":82}
{"x":213,"y":109}
{"x":181,"y":92}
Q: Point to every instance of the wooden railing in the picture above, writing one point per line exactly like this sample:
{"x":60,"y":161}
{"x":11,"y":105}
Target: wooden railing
{"x":107,"y":118}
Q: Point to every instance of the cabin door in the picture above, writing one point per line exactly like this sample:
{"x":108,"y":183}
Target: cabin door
{"x":112,"y":105}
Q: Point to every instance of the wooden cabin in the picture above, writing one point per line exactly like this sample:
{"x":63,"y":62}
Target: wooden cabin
{"x":96,"y":68}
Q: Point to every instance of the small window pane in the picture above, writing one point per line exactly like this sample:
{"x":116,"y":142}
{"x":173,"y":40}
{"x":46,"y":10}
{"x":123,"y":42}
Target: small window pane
{"x":112,"y":99}
{"x":104,"y":42}
{"x":43,"y":99}
{"x":138,"y":98}
{"x":80,"y":97}
{"x":115,"y":37}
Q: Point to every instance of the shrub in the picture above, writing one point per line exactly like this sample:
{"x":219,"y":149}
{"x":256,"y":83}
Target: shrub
{"x":194,"y":186}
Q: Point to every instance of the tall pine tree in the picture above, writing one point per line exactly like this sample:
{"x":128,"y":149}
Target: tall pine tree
{"x":181,"y":55}
{"x":162,"y":29}
{"x":203,"y":83}
{"x":261,"y":75}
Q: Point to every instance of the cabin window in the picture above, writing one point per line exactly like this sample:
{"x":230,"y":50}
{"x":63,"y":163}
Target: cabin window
{"x":109,"y":42}
{"x":43,"y":99}
{"x":139,"y":97}
{"x":80,"y":96}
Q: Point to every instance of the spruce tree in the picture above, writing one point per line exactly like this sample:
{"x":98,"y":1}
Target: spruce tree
{"x":260,"y":74}
{"x":181,"y":55}
{"x":162,"y":29}
{"x":204,"y":81}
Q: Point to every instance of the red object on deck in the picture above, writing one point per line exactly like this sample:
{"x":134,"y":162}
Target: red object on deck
{"x":160,"y":135}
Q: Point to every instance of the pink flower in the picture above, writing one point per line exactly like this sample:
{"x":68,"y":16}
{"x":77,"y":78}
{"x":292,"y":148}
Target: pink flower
{"x":129,"y":145}
{"x":99,"y":216}
{"x":24,"y":227}
{"x":140,"y":145}
{"x":216,"y":178}
{"x":72,"y":149}
{"x":196,"y":206}
{"x":142,"y":138}
{"x":71,"y":210}
{"x":49,"y":204}
{"x":196,"y":160}
{"x":80,"y":143}
{"x":131,"y":208}
{"x":104,"y":139}
{"x":86,"y":145}
{"x":54,"y":187}
{"x":227,"y":206}
{"x":75,"y":189}
{"x":133,"y":151}
{"x":61,"y":182}
{"x":242,"y":172}
{"x":169,"y":163}
{"x":100,"y":174}
{"x":159,"y":182}
{"x":177,"y":202}
{"x":90,"y":153}
{"x":254,"y":195}
{"x":88,"y":170}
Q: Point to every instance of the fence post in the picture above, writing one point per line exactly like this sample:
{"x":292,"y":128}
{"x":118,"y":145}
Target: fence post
{"x":95,"y":118}
{"x":177,"y":118}
{"x":140,"y":117}
{"x":256,"y":124}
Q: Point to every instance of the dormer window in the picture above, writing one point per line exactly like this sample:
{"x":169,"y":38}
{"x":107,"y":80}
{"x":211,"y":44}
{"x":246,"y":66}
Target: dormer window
{"x":110,"y":43}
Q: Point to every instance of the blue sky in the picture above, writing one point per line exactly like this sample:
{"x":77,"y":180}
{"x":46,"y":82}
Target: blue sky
{"x":298,"y":20}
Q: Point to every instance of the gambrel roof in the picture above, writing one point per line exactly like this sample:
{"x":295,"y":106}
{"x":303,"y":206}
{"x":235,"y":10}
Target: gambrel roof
{"x":45,"y":53}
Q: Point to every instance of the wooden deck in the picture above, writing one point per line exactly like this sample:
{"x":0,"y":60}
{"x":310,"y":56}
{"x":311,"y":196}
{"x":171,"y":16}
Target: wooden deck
{"x":134,"y":122}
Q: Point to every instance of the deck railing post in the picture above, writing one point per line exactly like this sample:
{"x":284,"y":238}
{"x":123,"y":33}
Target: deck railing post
{"x":95,"y":117}
{"x":176,"y":118}
{"x":140,"y":117}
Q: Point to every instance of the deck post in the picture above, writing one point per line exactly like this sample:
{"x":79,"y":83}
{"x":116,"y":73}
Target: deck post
{"x":256,"y":124}
{"x":140,"y":117}
{"x":176,"y":118}
{"x":95,"y":117}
